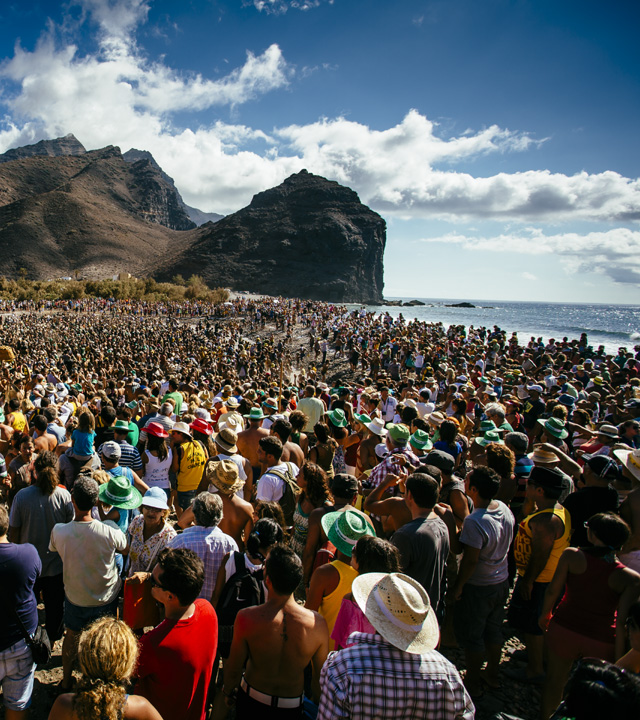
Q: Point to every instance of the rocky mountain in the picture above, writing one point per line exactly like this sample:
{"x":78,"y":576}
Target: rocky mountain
{"x":67,"y":145}
{"x":96,"y":213}
{"x":197,"y":217}
{"x":308,"y":237}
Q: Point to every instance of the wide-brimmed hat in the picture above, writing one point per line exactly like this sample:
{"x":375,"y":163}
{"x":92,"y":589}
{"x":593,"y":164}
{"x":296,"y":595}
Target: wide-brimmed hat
{"x":232,"y":402}
{"x":398,"y":607}
{"x":442,"y":460}
{"x":183,"y":428}
{"x":399,"y":433}
{"x":121,"y":426}
{"x":155,"y":497}
{"x":224,"y":475}
{"x":202,"y":426}
{"x":609,"y":431}
{"x":255,"y":414}
{"x":436,"y":418}
{"x":231,"y":421}
{"x":554,"y":426}
{"x":337,"y":418}
{"x":491,"y":436}
{"x":156,"y":429}
{"x":630,"y":459}
{"x":410,"y":403}
{"x":270,"y":403}
{"x":227,"y":440}
{"x":377,"y":427}
{"x":344,"y":528}
{"x":120,"y":493}
{"x":362,"y":419}
{"x":421,"y":440}
{"x":539,"y":456}
{"x":487,"y":425}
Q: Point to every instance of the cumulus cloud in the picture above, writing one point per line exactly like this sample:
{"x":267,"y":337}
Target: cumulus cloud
{"x":614,"y":253}
{"x":277,"y":7}
{"x":410,"y":169}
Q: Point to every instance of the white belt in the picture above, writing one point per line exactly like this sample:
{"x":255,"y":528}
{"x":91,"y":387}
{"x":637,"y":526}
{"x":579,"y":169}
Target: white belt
{"x":272,"y":700}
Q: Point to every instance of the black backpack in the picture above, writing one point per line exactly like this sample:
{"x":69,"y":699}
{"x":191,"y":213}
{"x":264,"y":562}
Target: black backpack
{"x":242,"y":590}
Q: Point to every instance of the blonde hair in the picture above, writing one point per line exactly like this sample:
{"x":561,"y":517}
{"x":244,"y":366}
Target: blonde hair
{"x":107,"y":655}
{"x":101,"y":476}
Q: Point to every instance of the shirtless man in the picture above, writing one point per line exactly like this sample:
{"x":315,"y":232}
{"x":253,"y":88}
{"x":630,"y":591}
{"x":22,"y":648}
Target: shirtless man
{"x":272,"y":644}
{"x":248,"y":440}
{"x":222,"y":476}
{"x":226,"y":443}
{"x":43,"y":440}
{"x":290,"y":451}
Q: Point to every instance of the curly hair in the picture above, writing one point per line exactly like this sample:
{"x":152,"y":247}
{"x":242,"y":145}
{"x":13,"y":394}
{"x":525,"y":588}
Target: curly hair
{"x":501,"y":459}
{"x":298,"y":420}
{"x":46,"y":468}
{"x":107,"y":655}
{"x":317,"y":491}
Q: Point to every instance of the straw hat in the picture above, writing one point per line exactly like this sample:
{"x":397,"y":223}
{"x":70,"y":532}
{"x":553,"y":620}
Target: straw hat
{"x":119,"y":492}
{"x":227,"y":439}
{"x":398,"y":607}
{"x":539,"y":456}
{"x":344,"y":528}
{"x":436,"y":418}
{"x":224,"y":475}
{"x":232,"y":402}
{"x":183,"y":428}
{"x":630,"y":459}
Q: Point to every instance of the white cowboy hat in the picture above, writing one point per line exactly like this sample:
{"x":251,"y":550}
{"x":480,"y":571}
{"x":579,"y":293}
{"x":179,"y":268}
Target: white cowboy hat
{"x":398,"y":607}
{"x":377,"y":427}
{"x":630,"y":459}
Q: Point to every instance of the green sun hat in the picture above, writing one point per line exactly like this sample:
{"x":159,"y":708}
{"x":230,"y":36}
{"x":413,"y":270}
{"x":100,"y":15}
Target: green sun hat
{"x":554,"y":426}
{"x":362,"y":419}
{"x":255,"y":414}
{"x":486,"y":425}
{"x":121,"y":425}
{"x":344,"y":528}
{"x":421,"y":440}
{"x":119,"y":493}
{"x":399,"y":433}
{"x":491,"y":436}
{"x":337,"y":418}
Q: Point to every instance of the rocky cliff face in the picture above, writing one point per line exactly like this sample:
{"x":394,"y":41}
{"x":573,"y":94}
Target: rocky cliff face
{"x":308,"y":237}
{"x":67,"y":145}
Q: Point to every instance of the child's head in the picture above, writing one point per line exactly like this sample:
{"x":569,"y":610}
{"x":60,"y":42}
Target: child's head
{"x":86,"y":421}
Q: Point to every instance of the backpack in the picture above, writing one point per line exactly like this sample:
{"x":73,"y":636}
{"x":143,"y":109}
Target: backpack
{"x":80,"y":468}
{"x":291,"y":491}
{"x":242,"y":590}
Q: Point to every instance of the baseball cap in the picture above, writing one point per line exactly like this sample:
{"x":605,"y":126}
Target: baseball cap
{"x":111,"y":450}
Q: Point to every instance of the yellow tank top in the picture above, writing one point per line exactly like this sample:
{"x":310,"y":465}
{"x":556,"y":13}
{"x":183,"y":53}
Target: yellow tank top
{"x":330,"y":605}
{"x":191,"y":464}
{"x":19,"y":421}
{"x":522,"y":545}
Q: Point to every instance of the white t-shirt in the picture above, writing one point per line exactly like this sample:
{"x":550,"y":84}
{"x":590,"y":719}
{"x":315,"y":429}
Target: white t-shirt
{"x":271,"y":487}
{"x":88,"y":553}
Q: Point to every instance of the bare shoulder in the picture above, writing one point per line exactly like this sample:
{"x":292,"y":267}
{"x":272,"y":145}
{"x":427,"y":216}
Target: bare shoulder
{"x":139,"y":708}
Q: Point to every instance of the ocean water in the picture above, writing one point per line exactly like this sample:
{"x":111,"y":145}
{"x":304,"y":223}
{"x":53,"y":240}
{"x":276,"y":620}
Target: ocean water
{"x":610,"y":325}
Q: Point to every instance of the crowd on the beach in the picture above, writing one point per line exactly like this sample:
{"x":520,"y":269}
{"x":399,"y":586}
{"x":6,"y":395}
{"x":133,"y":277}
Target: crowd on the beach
{"x":293,"y":507}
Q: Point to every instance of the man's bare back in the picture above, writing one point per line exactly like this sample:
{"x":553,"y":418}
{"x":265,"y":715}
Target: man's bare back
{"x":248,"y":444}
{"x":281,"y":642}
{"x":237,"y":516}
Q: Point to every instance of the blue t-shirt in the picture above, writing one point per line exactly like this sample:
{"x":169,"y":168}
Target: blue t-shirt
{"x":58,"y":431}
{"x":20,"y":567}
{"x":83,"y":442}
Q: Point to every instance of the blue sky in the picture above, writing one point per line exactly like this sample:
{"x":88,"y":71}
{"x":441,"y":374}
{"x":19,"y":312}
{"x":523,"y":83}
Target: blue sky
{"x":497,"y":138}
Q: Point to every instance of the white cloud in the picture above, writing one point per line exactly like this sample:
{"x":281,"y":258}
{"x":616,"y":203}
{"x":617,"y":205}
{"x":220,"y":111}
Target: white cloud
{"x":614,"y":253}
{"x":277,"y":7}
{"x":120,"y":96}
{"x":528,"y":276}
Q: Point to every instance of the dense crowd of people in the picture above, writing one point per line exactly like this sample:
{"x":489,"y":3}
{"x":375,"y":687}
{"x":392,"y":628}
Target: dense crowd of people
{"x":294,"y":506}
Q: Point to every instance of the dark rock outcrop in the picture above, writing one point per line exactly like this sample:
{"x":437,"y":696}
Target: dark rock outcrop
{"x":67,"y":145}
{"x":176,"y":219}
{"x":308,"y":237}
{"x":413,"y":303}
{"x":461,"y":305}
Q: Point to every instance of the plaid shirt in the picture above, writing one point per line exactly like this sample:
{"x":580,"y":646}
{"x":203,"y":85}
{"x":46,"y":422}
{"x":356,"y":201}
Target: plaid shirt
{"x":373,"y":680}
{"x":389,"y":465}
{"x":210,"y":545}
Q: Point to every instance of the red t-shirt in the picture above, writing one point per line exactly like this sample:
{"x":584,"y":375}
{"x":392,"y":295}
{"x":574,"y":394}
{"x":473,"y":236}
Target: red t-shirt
{"x":176,"y":662}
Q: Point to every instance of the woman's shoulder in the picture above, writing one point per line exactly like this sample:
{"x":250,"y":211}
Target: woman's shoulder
{"x":139,"y":708}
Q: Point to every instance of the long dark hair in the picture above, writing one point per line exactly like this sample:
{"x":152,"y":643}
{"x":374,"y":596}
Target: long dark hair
{"x":46,"y":468}
{"x":157,"y":444}
{"x":317,"y":491}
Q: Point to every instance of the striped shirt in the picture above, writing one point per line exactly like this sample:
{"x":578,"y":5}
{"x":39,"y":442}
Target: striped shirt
{"x":129,"y":457}
{"x":373,"y":679}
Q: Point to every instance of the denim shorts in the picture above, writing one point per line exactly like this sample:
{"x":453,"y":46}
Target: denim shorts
{"x":77,"y":618}
{"x":186,"y":498}
{"x":17,"y":670}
